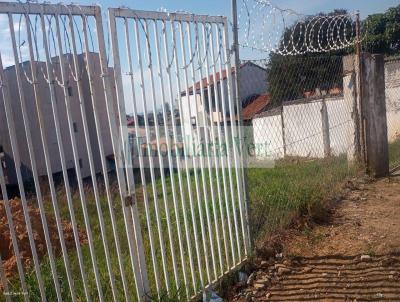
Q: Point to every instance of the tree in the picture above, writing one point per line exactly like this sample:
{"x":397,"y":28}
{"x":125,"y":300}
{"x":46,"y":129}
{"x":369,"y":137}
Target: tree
{"x":382,"y":32}
{"x":291,"y":76}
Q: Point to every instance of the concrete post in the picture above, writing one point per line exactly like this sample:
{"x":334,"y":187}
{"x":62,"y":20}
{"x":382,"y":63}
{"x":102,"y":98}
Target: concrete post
{"x":283,"y":132}
{"x":350,"y":94}
{"x":374,"y":111}
{"x":325,"y":129}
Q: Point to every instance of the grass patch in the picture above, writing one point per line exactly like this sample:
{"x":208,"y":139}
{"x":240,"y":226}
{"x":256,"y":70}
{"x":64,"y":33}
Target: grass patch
{"x":291,"y":189}
{"x":277,"y":195}
{"x":394,"y":153}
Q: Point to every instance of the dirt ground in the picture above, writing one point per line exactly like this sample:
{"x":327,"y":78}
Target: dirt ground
{"x":354,"y":255}
{"x":6,"y":246}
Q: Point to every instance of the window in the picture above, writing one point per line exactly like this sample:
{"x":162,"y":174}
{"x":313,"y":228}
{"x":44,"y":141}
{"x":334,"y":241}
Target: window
{"x":75,"y":127}
{"x":193,"y":121}
{"x":70,"y":91}
{"x":1,"y":149}
{"x":80,"y":163}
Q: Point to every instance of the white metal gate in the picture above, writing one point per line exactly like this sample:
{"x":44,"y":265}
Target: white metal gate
{"x":130,"y":144}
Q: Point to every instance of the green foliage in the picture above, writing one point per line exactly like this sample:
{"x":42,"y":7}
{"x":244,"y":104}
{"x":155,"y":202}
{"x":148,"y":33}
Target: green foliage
{"x":394,"y":153}
{"x":383,"y":32}
{"x":289,"y":77}
{"x":293,"y":188}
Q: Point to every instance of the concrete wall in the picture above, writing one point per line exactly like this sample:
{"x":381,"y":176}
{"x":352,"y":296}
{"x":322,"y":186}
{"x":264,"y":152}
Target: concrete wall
{"x":392,"y":90}
{"x":303,"y":121}
{"x":270,"y":143}
{"x":303,"y":129}
{"x":303,"y":125}
{"x":47,"y":113}
{"x":341,"y":127}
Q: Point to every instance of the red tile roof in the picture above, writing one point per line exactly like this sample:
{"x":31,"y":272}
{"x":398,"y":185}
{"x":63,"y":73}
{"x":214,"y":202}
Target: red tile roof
{"x":256,"y":106}
{"x":206,"y":81}
{"x":210,"y":80}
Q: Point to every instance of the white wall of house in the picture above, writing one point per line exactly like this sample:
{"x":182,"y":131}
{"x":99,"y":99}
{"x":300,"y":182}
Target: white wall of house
{"x":47,"y":113}
{"x":253,"y":80}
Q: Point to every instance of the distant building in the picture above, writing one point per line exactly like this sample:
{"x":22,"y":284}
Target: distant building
{"x":6,"y":155}
{"x":253,"y":82}
{"x":255,"y":106}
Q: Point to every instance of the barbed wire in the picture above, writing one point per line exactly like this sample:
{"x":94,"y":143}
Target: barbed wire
{"x":265,"y":27}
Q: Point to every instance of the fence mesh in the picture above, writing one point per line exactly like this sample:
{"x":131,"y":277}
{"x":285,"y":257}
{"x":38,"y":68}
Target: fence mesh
{"x":302,"y":116}
{"x":101,"y":196}
{"x":392,"y":93}
{"x":380,"y":35}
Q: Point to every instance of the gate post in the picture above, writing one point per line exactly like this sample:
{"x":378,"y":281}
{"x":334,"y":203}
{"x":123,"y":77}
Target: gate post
{"x":374,"y":111}
{"x":243,"y":157}
{"x":351,"y":93}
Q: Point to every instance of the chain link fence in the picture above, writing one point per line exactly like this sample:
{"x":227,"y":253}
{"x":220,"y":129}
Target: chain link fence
{"x":392,"y":93}
{"x":303,"y":117}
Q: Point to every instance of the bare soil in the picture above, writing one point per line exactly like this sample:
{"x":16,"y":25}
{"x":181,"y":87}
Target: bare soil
{"x":6,"y":247}
{"x":353,"y":254}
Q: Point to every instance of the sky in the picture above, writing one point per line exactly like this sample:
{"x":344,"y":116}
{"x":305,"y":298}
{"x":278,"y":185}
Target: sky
{"x":206,"y":7}
{"x":222,"y":7}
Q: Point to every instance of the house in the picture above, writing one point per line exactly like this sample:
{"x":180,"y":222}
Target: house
{"x":6,"y":154}
{"x":253,"y":81}
{"x":258,"y":104}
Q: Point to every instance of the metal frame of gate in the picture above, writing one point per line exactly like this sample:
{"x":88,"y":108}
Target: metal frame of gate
{"x":207,"y":228}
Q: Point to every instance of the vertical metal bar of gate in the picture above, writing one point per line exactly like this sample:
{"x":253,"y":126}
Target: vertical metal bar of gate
{"x":169,"y":153}
{"x":61,"y":149}
{"x":206,"y":46}
{"x":33,"y":161}
{"x":64,"y":79}
{"x":178,"y":163}
{"x":203,"y":176}
{"x":217,"y":161}
{"x":11,"y":226}
{"x":161,"y":163}
{"x":185,"y":151}
{"x":199,"y":199}
{"x":243,"y":154}
{"x":176,"y":71}
{"x":123,"y":129}
{"x":100,"y":142}
{"x":4,"y":281}
{"x":130,"y":213}
{"x":227,"y":144}
{"x":44,"y":140}
{"x":231,"y":106}
{"x":224,"y":164}
{"x":16,"y":153}
{"x":232,"y":97}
